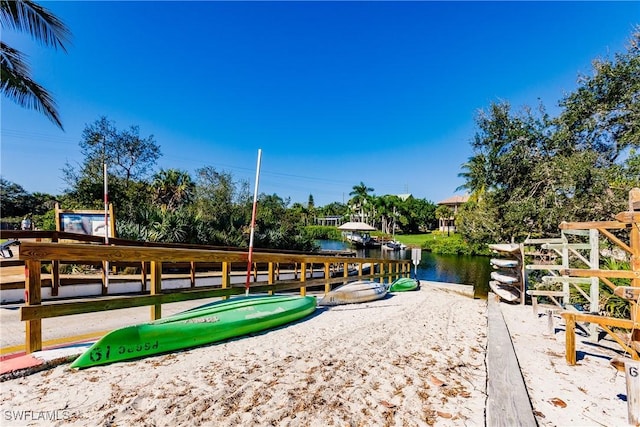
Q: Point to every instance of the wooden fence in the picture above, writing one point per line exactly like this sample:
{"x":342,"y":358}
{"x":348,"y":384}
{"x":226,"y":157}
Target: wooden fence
{"x":34,"y":254}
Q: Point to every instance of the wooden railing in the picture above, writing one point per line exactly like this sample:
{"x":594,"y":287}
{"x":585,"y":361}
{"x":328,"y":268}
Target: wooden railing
{"x":35,"y":253}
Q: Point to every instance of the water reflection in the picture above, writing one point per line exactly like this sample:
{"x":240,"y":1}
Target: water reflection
{"x":463,"y":269}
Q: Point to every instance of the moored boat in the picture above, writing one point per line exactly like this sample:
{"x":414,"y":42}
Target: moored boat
{"x":355,"y":292}
{"x":202,"y":325}
{"x":404,"y":284}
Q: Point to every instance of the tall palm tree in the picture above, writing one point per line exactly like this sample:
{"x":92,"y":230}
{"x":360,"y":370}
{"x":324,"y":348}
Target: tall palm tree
{"x":15,"y":75}
{"x":360,"y":195}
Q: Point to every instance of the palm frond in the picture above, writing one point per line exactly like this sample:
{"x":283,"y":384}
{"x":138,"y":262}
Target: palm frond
{"x":30,"y":17}
{"x":17,"y":85}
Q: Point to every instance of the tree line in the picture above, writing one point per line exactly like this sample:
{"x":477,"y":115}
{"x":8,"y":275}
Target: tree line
{"x":211,"y":207}
{"x":530,"y":171}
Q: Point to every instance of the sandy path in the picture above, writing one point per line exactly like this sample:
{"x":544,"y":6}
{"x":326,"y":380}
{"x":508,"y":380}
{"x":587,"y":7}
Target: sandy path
{"x":410,"y":359}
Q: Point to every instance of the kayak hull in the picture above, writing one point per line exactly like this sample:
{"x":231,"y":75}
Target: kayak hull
{"x":404,"y":284}
{"x":205,"y":325}
{"x":355,"y":292}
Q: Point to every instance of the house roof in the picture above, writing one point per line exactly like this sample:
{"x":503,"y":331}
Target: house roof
{"x":455,"y":200}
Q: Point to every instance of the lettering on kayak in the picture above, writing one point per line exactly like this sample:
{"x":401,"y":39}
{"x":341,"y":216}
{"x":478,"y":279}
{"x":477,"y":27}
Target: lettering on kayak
{"x":138,"y":348}
{"x":212,"y":319}
{"x":264,"y":313}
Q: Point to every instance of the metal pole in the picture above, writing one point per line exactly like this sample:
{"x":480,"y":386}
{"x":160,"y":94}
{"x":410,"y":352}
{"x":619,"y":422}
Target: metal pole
{"x":106,"y":228}
{"x":253,"y":223}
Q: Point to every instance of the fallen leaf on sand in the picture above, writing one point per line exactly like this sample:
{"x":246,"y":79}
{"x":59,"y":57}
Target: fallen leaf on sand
{"x":444,"y":414}
{"x":387,"y":404}
{"x":558,"y":402}
{"x":437,"y":382}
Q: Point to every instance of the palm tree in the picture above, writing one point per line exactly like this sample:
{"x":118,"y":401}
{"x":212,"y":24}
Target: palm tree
{"x":172,"y":189}
{"x":15,"y":75}
{"x":360,"y":195}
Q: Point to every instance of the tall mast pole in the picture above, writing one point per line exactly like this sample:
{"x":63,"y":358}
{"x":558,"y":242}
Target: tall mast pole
{"x":253,"y":223}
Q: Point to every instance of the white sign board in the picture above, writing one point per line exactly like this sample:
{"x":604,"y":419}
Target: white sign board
{"x":416,"y":255}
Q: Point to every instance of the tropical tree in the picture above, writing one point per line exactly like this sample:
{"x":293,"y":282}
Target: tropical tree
{"x":16,"y":81}
{"x":360,"y":197}
{"x":172,"y":189}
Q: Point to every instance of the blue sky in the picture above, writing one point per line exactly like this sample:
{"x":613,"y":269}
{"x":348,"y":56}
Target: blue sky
{"x":334,"y":93}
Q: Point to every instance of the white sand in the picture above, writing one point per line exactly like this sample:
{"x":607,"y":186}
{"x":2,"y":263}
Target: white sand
{"x":414,"y":359}
{"x":592,"y":393}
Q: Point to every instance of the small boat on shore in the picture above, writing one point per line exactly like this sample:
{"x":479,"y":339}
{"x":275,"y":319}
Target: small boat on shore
{"x":404,"y":284}
{"x":504,"y":263}
{"x":506,"y":292}
{"x":355,"y":292}
{"x":505,"y":247}
{"x":202,"y":325}
{"x":504,"y":278}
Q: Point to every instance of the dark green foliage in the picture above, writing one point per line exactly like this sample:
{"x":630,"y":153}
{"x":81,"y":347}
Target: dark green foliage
{"x":529,"y":171}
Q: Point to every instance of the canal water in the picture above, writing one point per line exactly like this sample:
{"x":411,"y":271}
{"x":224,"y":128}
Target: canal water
{"x":462,"y":269}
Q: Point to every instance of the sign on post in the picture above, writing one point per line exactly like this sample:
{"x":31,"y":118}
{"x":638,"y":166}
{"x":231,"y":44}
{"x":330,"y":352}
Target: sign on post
{"x":416,"y":256}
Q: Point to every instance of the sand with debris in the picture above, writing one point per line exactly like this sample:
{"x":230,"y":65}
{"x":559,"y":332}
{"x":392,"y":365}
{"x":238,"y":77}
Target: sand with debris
{"x":412,"y":359}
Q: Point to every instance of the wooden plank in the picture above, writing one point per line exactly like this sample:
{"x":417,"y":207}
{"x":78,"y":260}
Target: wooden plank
{"x":610,"y":225}
{"x":627,"y":292}
{"x":613,"y":274}
{"x":628,"y":217}
{"x":570,"y":337}
{"x":156,"y":288}
{"x":507,"y":399}
{"x":580,"y":246}
{"x":632,"y":376}
{"x":33,"y":298}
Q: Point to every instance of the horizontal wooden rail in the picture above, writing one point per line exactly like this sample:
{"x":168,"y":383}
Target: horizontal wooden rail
{"x":35,"y":253}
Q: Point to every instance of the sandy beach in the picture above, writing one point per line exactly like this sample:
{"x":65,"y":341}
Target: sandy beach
{"x":412,"y":359}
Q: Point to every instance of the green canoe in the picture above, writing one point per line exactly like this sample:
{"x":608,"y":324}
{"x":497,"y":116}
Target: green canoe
{"x":203,"y":325}
{"x":404,"y":284}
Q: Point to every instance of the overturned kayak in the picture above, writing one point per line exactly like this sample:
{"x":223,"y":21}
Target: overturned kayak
{"x":354,"y":292}
{"x":203,"y":325}
{"x":506,"y":292}
{"x":404,"y":284}
{"x":504,"y":263}
{"x":504,"y":278}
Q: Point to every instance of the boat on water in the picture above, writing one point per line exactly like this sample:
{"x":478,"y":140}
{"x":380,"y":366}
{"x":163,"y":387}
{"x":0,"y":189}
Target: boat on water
{"x":202,"y":325}
{"x":355,"y":292}
{"x":404,"y":284}
{"x":506,"y":292}
{"x":391,"y":245}
{"x":504,"y":263}
{"x":504,"y":278}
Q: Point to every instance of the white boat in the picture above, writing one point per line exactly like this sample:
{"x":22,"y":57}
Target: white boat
{"x":355,"y":292}
{"x":504,"y":263}
{"x":506,"y":292}
{"x":504,"y":278}
{"x":505,"y":247}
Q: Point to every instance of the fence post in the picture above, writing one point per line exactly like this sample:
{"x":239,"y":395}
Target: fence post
{"x":327,"y":275}
{"x":226,"y":269}
{"x":156,"y":288}
{"x":303,"y":278}
{"x":632,"y":374}
{"x":33,"y":296}
{"x":271,"y":276}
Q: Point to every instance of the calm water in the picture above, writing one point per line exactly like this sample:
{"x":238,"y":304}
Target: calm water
{"x":467,"y":270}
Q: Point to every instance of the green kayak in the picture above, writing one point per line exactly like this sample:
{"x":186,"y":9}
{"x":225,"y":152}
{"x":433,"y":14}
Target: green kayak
{"x":203,"y":325}
{"x":404,"y":284}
